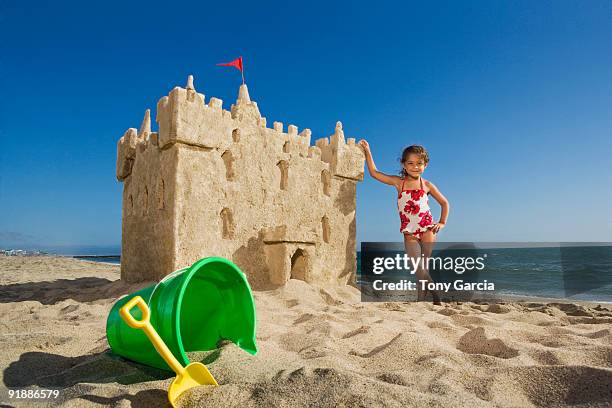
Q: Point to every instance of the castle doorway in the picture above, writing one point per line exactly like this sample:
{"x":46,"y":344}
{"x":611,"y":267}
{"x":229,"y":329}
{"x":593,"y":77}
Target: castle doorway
{"x":299,"y":265}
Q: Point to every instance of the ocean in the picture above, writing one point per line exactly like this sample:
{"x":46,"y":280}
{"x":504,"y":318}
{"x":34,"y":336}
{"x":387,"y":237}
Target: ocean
{"x":107,"y":253}
{"x":114,"y":259}
{"x":563,"y":272}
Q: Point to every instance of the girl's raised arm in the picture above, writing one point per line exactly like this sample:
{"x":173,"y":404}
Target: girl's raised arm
{"x":382,"y":177}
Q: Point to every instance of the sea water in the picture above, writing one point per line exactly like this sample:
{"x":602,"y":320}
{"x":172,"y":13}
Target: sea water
{"x":564,"y":272}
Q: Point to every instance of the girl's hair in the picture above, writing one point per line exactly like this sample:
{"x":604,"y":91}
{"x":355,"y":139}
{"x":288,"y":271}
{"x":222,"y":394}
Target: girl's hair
{"x":414,"y":149}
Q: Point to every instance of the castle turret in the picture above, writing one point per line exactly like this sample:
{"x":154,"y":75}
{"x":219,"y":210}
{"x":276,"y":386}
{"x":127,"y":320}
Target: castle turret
{"x":244,"y":109}
{"x":145,"y":127}
{"x":190,"y":83}
{"x":346,"y":159}
{"x":243,"y":94}
{"x":184,"y":117}
{"x":126,"y":151}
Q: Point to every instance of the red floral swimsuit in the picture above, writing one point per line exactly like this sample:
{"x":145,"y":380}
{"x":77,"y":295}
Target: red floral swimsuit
{"x":414,"y":211}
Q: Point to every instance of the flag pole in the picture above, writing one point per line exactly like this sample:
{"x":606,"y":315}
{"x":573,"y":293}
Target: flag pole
{"x":242,"y":70}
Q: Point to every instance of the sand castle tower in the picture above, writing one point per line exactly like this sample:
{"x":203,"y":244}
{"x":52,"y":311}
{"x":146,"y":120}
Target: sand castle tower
{"x":213,"y":182}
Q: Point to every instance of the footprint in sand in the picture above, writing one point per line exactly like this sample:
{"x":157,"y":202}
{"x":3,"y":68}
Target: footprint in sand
{"x":598,"y":334}
{"x":564,"y":385}
{"x":312,"y":352}
{"x":447,"y":311}
{"x":571,"y":309}
{"x":590,"y":320}
{"x":552,"y":342}
{"x":292,"y":303}
{"x":497,"y":308}
{"x":360,"y":330}
{"x":392,"y":378}
{"x":69,"y":309}
{"x":438,"y":325}
{"x":533,"y":305}
{"x":394,"y":307}
{"x":376,"y":349}
{"x":329,"y":299}
{"x":52,"y":341}
{"x":304,"y":318}
{"x":465,"y":320}
{"x":321,"y":328}
{"x":546,"y":358}
{"x":476,"y":342}
{"x":432,"y":355}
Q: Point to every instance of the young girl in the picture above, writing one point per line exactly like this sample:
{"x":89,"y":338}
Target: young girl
{"x":413,"y":205}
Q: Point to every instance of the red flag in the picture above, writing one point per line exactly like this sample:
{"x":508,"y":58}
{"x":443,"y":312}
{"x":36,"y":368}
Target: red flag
{"x":237,"y":63}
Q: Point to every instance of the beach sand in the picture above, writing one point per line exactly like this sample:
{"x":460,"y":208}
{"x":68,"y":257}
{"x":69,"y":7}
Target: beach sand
{"x":318,"y":347}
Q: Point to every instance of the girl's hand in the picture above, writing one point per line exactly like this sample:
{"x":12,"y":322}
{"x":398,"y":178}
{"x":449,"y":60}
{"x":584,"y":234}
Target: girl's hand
{"x":364,"y":145}
{"x":437,"y":227}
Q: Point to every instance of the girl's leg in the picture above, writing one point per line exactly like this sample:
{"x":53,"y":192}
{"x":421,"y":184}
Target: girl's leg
{"x":413,"y":250}
{"x":428,"y":240}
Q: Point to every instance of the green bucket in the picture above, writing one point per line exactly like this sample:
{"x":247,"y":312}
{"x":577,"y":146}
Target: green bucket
{"x":192,"y":309}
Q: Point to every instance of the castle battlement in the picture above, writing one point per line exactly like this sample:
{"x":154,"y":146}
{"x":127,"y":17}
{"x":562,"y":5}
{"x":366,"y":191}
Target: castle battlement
{"x":184,"y":117}
{"x":212,"y":181}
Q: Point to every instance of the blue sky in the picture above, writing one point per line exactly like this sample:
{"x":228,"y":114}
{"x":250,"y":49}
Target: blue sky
{"x":512,"y":99}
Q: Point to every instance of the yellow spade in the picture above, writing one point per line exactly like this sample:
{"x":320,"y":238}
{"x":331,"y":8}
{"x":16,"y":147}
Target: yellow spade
{"x":193,"y":375}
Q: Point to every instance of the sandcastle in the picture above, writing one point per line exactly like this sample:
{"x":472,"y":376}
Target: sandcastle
{"x":213,"y":182}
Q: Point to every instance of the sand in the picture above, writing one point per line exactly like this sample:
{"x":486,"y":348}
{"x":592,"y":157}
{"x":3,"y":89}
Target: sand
{"x":318,"y":347}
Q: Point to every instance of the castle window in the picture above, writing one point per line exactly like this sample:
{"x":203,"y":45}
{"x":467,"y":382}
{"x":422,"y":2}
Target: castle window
{"x":227,"y":220}
{"x":326,"y":181}
{"x":160,"y":194}
{"x":236,"y":135}
{"x":326,"y":229}
{"x":299,"y":263}
{"x":130,"y":209}
{"x":284,"y":174}
{"x":228,"y":160}
{"x":286,"y":147}
{"x":145,"y":201}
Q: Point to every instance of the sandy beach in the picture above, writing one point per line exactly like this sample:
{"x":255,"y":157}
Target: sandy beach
{"x":317,"y":347}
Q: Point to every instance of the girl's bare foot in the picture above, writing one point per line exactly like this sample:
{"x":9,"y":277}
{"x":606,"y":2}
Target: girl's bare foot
{"x":421,"y":294}
{"x":436,"y":298}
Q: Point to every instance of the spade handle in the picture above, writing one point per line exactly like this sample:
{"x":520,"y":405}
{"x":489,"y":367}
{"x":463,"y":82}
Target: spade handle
{"x":145,"y":324}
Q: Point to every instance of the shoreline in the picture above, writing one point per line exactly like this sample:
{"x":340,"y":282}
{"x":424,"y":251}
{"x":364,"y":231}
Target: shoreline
{"x":504,"y":297}
{"x":537,"y":299}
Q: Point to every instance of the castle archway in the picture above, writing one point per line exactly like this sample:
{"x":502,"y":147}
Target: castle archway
{"x":299,"y":265}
